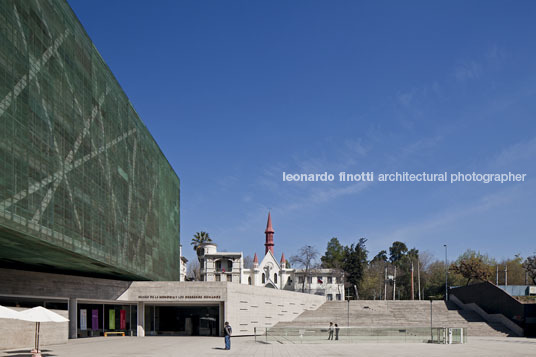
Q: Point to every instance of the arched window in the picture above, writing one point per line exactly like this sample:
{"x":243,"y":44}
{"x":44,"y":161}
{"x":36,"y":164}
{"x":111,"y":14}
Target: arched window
{"x":249,"y":280}
{"x":263,"y":278}
{"x":275,"y":278}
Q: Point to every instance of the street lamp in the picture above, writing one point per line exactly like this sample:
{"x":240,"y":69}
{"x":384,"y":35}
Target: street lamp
{"x":431,"y":328}
{"x":446,"y":275}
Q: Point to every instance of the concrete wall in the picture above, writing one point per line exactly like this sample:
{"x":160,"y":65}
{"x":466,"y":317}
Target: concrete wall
{"x":27,"y":283}
{"x":20,"y":334}
{"x":500,"y":318}
{"x":245,"y":307}
{"x":248,"y":307}
{"x":494,"y":300}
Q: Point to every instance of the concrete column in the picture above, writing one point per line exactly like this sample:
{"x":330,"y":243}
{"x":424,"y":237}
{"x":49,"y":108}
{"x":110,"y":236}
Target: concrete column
{"x":73,"y":318}
{"x":141,"y":319}
{"x":222,"y":317}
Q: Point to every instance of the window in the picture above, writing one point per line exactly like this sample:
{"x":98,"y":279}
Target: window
{"x":229,"y":277}
{"x":309,"y":280}
{"x":230,"y":265}
{"x":263,"y":278}
{"x":300,"y":279}
{"x":249,"y":280}
{"x":218,"y":265}
{"x":330,"y":297}
{"x":218,"y":277}
{"x":338,"y":296}
{"x":330,"y":280}
{"x":275,"y":278}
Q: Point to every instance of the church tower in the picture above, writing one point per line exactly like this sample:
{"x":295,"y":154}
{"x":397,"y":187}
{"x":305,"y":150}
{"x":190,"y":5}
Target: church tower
{"x":269,"y":236}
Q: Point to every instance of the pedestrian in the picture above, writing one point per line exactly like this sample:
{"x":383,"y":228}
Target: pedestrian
{"x":330,"y":336}
{"x":337,"y":331}
{"x":227,"y":332}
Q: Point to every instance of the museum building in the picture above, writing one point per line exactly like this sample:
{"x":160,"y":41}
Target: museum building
{"x":89,"y":205}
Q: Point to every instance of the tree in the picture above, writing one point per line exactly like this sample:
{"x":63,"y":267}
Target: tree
{"x":380,"y":257}
{"x":434,"y":280}
{"x":530,"y":267}
{"x":397,"y":251}
{"x":200,"y":238}
{"x":355,"y":262}
{"x":193,"y":270}
{"x":248,"y":262}
{"x":334,"y":256}
{"x":306,"y":258}
{"x":472,"y":267}
{"x":515,"y":272}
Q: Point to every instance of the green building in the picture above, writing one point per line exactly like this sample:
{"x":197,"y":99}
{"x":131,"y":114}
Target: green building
{"x":84,"y":187}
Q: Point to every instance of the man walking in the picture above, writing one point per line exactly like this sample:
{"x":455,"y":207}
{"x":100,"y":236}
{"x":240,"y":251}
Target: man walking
{"x":227,"y":332}
{"x":330,"y":336}
{"x":336,"y":332}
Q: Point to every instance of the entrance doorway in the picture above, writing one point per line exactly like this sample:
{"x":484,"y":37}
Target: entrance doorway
{"x":165,"y":320}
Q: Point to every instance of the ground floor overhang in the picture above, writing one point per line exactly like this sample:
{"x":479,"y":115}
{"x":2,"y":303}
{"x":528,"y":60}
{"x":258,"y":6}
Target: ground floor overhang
{"x":102,"y":306}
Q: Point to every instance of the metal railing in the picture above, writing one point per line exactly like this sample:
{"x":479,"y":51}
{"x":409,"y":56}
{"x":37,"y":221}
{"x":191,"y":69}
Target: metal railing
{"x":298,"y":335}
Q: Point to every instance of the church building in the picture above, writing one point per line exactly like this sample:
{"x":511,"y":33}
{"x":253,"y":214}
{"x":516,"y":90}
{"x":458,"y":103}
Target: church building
{"x":269,"y":272}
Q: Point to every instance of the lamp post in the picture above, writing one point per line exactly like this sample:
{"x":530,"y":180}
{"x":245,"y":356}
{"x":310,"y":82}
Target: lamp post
{"x":446,"y":275}
{"x":431,"y":328}
{"x":348,"y":315}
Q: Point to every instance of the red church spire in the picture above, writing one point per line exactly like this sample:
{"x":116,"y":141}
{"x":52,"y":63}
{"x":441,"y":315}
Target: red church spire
{"x":269,"y":228}
{"x":283,"y":260}
{"x":269,"y":236}
{"x":255,"y":259}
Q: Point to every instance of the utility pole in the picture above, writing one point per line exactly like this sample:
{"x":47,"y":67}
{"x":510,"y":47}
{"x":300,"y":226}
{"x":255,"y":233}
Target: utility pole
{"x":497,"y":276}
{"x":431,"y":328}
{"x":380,"y":297}
{"x":394,"y":285}
{"x":348,"y":313}
{"x":385,"y":284}
{"x":419,"y":277}
{"x":505,"y":274}
{"x":412,"y":287}
{"x":446,"y":275}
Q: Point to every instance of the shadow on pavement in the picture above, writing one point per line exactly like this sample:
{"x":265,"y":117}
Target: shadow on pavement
{"x":25,"y":353}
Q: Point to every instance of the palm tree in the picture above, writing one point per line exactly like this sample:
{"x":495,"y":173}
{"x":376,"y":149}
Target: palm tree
{"x":200,"y":238}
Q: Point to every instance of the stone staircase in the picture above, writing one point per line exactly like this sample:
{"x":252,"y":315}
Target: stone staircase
{"x":398,"y":313}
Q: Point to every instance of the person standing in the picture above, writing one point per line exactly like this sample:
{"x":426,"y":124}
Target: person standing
{"x":330,"y":336}
{"x":227,"y":332}
{"x":337,"y":332}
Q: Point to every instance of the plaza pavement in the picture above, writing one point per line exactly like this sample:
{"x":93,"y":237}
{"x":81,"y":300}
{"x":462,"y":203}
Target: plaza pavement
{"x":245,"y":346}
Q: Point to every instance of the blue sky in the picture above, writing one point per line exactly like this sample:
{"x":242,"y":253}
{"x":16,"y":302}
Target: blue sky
{"x":237,"y":92}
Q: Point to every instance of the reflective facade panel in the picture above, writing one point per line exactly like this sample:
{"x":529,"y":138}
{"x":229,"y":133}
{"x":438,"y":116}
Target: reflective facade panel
{"x":84,"y":187}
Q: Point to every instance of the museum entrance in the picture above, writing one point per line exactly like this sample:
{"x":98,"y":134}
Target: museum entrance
{"x":166,"y":320}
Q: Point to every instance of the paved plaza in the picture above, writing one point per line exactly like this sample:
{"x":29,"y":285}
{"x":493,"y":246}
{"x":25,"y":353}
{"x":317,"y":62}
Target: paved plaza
{"x":245,"y":346}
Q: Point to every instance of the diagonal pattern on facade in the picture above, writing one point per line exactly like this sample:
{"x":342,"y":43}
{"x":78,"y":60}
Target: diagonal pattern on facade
{"x":83,"y":185}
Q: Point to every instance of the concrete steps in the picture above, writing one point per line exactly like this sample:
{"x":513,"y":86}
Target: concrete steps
{"x":398,"y":313}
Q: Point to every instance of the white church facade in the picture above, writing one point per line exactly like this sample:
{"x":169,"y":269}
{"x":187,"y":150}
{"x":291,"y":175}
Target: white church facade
{"x":229,"y":266}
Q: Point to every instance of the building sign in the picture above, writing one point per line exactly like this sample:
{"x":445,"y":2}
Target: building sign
{"x":122,"y":319}
{"x":179,"y":297}
{"x":95,"y":319}
{"x":83,"y":319}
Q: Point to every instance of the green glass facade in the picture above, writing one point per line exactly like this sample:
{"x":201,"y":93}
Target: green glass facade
{"x":84,"y":187}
